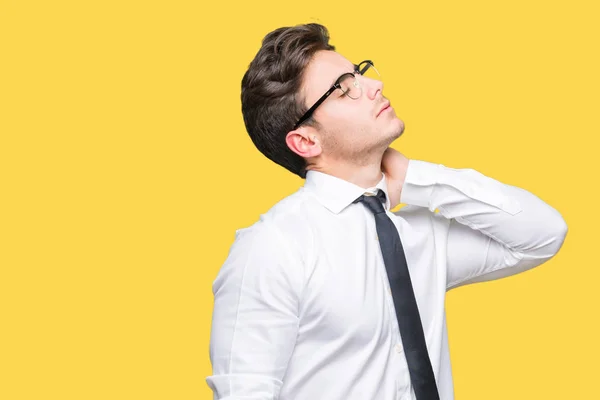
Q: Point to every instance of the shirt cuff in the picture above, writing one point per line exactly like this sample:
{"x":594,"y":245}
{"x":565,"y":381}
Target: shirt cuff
{"x":420,"y":180}
{"x":251,"y":386}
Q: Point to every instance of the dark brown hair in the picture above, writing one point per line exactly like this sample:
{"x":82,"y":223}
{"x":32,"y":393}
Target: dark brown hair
{"x":271,"y":100}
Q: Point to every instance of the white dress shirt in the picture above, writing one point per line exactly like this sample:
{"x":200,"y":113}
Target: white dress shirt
{"x":302,"y":305}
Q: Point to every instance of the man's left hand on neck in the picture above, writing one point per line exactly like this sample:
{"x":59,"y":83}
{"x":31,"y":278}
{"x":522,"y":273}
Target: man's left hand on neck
{"x":394,"y":165}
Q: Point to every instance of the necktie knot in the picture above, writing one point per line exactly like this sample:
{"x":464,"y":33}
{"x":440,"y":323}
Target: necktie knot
{"x":373,"y":203}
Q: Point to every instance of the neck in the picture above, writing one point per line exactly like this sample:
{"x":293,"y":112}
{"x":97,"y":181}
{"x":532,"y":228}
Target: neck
{"x":366,"y":174}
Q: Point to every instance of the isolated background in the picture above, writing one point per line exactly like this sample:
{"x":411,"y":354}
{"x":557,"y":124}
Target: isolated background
{"x":125,"y":170}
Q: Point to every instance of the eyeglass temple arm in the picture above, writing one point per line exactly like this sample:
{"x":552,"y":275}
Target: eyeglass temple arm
{"x":366,"y":67}
{"x":309,"y":112}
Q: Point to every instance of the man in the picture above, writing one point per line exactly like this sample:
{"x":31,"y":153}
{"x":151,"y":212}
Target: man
{"x":330,"y":295}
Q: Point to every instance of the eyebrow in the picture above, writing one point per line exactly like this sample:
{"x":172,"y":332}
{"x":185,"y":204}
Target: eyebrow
{"x":336,"y":79}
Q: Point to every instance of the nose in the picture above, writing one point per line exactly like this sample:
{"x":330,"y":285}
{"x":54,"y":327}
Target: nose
{"x":373,"y":86}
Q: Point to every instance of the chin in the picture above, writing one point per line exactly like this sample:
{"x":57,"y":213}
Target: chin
{"x":400,"y":125}
{"x":397,"y":130}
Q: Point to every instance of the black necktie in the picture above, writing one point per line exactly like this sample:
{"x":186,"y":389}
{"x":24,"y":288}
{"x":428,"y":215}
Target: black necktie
{"x":409,"y":321}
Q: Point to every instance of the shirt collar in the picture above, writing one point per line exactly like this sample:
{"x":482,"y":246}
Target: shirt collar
{"x":336,"y":194}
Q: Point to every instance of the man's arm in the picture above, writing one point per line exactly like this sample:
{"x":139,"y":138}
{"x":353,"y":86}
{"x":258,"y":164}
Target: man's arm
{"x":495,"y":230}
{"x":255,"y":317}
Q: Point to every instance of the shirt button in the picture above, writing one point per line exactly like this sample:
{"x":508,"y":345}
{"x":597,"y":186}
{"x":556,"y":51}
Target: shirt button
{"x":398,"y":348}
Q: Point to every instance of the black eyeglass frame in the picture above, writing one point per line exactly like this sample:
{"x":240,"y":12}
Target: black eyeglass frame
{"x":336,"y":85}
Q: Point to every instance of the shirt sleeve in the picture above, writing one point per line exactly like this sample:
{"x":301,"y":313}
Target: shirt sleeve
{"x":495,"y":230}
{"x":255,"y":317}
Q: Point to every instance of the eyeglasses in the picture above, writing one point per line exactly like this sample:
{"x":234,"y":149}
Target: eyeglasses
{"x":348,"y":84}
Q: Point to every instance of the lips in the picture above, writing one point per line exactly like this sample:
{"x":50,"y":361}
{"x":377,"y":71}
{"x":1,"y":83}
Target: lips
{"x":385,"y":105}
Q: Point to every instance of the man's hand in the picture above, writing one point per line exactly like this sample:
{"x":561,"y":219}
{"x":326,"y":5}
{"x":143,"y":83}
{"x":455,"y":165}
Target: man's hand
{"x":394,"y":165}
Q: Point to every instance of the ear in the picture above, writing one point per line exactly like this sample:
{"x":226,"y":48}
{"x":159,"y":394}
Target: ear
{"x":304,"y":141}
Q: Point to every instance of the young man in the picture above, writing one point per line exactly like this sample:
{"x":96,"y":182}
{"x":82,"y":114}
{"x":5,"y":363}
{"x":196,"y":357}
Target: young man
{"x":330,"y":295}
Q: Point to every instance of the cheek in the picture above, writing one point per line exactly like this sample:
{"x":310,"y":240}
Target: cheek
{"x":349,"y":114}
{"x":346,"y":117}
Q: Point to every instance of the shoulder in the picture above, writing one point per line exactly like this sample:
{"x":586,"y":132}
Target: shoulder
{"x":285,"y":219}
{"x":261,"y":255}
{"x":283,"y":231}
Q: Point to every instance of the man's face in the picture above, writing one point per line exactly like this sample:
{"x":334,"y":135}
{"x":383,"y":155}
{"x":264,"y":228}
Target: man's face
{"x":350,"y":128}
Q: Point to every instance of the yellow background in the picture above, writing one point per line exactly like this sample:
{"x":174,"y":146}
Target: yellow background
{"x":125,"y":170}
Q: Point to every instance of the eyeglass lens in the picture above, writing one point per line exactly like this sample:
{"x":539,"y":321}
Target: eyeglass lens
{"x":350,"y":84}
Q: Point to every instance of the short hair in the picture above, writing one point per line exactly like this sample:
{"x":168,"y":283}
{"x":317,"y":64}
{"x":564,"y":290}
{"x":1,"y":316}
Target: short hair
{"x":271,"y":98}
